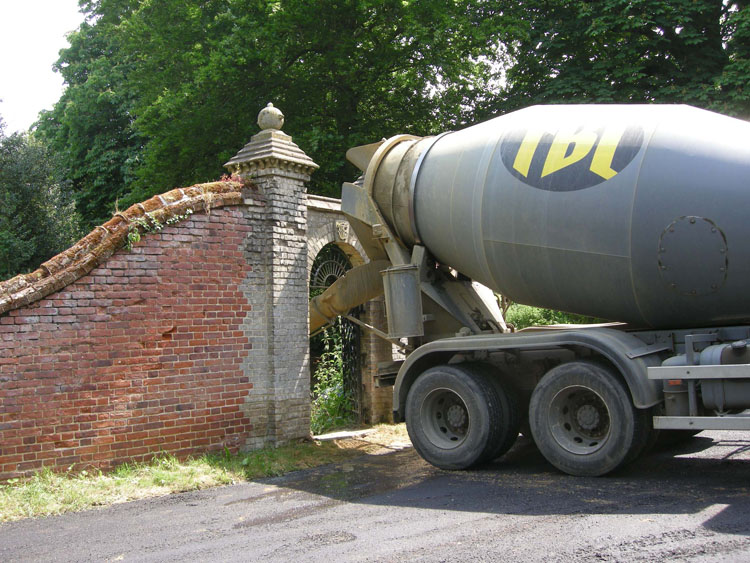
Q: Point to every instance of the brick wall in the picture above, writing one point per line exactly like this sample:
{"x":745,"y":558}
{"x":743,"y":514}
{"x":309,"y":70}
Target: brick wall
{"x":194,"y":340}
{"x":173,"y":346}
{"x":147,"y":353}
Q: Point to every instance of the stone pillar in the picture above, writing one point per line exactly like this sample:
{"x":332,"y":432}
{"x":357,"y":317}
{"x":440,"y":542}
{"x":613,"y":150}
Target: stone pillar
{"x":377,"y":402}
{"x":279,"y":404}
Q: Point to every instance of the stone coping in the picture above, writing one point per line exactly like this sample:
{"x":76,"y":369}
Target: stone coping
{"x":323,"y":203}
{"x":93,"y":249}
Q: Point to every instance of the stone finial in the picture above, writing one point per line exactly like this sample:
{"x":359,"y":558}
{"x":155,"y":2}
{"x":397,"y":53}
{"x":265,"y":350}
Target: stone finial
{"x":271,"y":148}
{"x":270,"y":118}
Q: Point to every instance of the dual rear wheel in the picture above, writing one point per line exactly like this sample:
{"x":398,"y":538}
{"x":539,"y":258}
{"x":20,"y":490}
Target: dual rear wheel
{"x":459,"y":416}
{"x":583,"y":419}
{"x":580,"y":414}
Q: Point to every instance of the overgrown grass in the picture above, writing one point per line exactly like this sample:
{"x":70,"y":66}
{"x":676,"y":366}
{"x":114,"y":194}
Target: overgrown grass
{"x":48,"y":492}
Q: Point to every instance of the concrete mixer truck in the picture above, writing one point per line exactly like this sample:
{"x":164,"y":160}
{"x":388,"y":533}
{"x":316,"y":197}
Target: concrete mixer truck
{"x":635,"y":214}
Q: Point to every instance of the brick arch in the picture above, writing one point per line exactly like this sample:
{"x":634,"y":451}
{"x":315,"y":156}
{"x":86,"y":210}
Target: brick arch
{"x":326,"y":234}
{"x":323,"y":214}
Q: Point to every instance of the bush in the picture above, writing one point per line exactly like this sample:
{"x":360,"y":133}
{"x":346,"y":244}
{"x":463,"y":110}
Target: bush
{"x":522,"y":316}
{"x":37,"y":217}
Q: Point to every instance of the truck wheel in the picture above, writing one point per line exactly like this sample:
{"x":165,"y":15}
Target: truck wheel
{"x":584,"y":421}
{"x":456,"y":418}
{"x":511,"y":414}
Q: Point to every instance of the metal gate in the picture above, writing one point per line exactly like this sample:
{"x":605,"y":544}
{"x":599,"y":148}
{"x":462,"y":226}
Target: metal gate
{"x":330,"y":264}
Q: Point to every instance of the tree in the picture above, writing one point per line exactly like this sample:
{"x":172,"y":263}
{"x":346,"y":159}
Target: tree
{"x":37,"y":219}
{"x":90,"y":127}
{"x":668,"y":51}
{"x":735,"y":76}
{"x":161,"y":93}
{"x":341,"y":70}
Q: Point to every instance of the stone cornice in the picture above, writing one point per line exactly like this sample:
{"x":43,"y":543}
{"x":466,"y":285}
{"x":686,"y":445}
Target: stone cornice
{"x":322,"y":203}
{"x":271,"y":149}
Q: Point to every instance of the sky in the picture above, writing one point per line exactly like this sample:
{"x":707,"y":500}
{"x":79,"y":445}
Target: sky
{"x":32,"y":32}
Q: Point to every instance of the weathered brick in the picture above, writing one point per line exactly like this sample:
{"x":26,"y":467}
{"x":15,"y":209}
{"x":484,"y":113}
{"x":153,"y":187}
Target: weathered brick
{"x":167,"y":347}
{"x":92,"y":342}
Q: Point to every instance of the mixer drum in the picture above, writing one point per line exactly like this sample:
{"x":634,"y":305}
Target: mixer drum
{"x":628,"y":213}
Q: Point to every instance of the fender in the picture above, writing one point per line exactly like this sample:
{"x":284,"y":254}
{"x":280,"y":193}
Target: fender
{"x":630,"y":355}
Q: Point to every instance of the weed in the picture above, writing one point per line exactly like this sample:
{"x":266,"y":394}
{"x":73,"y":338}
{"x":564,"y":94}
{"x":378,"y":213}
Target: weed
{"x":332,"y":406}
{"x":50,"y":492}
{"x":149,"y":224}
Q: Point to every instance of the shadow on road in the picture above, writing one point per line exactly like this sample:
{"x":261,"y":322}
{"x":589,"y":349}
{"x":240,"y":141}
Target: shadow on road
{"x":695,"y":476}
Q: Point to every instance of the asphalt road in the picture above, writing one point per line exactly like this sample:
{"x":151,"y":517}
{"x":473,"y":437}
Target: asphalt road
{"x":688,"y":503}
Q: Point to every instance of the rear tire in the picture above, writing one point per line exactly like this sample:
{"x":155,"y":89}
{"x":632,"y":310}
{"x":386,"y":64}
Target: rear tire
{"x":583,"y":419}
{"x":457,"y":417}
{"x":509,"y":403}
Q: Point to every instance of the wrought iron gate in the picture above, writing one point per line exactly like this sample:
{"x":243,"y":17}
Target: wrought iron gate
{"x":330,"y":264}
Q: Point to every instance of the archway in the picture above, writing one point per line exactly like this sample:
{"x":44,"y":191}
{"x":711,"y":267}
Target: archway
{"x":337,"y":346}
{"x":326,"y":225}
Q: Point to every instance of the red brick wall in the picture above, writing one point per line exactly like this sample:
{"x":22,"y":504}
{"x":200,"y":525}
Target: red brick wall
{"x":145,"y":354}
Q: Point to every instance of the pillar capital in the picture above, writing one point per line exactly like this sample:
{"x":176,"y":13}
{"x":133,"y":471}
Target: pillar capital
{"x":271,"y":149}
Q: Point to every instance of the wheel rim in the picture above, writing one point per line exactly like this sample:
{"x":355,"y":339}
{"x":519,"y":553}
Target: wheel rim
{"x":579,"y":420}
{"x":444,"y":418}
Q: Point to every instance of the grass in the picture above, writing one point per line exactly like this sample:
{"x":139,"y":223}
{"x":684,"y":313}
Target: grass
{"x":48,"y":492}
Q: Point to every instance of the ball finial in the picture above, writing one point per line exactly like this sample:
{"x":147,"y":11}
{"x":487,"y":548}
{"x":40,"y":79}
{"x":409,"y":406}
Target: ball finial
{"x":270,"y":118}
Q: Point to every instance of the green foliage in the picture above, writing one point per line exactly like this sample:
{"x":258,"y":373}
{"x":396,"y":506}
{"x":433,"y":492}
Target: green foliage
{"x":735,"y":76}
{"x":91,"y":126}
{"x":37,"y":218}
{"x":522,"y":316}
{"x":332,"y":407}
{"x":160,"y":93}
{"x":667,"y":51}
{"x":149,"y":224}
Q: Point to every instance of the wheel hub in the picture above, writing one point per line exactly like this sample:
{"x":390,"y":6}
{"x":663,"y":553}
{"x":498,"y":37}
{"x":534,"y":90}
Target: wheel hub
{"x":579,"y":420}
{"x":456,"y":416}
{"x":587,"y":417}
{"x":444,"y":418}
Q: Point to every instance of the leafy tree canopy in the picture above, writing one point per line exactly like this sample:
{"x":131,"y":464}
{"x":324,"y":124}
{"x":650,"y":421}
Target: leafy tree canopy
{"x":668,"y":51}
{"x":161,"y":92}
{"x":37,"y":219}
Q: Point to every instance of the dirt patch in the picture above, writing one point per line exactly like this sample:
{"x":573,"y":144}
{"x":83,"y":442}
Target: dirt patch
{"x":378,"y":440}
